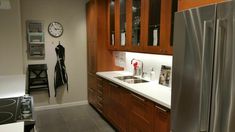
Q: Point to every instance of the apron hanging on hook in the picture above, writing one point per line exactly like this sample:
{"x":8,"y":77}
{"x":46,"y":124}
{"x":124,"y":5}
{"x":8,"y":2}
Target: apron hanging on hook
{"x":60,"y":77}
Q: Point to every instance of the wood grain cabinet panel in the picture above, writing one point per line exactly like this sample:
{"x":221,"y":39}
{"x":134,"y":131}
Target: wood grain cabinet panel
{"x":162,"y":119}
{"x":115,"y":108}
{"x":187,"y":4}
{"x":99,"y":58}
{"x":130,"y":112}
{"x":137,"y":19}
{"x":141,"y":114}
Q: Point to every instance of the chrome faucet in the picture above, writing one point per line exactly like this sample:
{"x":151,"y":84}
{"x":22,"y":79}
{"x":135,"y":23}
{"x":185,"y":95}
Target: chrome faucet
{"x":142,"y":66}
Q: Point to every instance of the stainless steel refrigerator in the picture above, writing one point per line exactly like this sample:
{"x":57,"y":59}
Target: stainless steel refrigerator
{"x":203,"y":84}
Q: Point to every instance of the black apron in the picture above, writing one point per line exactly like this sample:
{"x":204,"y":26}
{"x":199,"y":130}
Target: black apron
{"x":61,"y":76}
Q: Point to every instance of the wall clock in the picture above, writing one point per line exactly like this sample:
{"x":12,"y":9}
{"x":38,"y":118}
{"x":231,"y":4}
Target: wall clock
{"x":55,"y":29}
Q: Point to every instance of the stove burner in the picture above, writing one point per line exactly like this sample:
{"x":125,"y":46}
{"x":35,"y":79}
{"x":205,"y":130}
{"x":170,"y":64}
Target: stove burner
{"x":7,"y":102}
{"x":5,"y":116}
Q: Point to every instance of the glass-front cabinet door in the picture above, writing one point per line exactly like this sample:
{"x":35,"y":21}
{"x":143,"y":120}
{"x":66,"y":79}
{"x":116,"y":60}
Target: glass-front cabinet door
{"x":137,"y":24}
{"x":159,"y":23}
{"x":154,"y":22}
{"x":111,"y":21}
{"x":123,"y":25}
{"x":154,"y":26}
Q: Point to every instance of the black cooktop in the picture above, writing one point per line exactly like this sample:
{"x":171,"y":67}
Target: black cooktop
{"x":8,"y":110}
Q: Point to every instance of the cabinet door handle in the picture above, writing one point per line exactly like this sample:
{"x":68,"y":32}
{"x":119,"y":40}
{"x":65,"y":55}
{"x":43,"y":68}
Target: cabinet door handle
{"x":138,"y":97}
{"x":100,"y":92}
{"x":99,"y":79}
{"x":91,"y":90}
{"x":113,"y":85}
{"x":91,"y":74}
{"x":100,"y":86}
{"x":162,"y":109}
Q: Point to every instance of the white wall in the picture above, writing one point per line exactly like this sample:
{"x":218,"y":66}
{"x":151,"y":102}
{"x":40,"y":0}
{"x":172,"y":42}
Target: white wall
{"x":71,"y":14}
{"x":11,"y":58}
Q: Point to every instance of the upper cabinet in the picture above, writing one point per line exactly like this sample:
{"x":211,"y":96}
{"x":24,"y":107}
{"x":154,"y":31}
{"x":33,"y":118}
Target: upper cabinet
{"x":141,"y":25}
{"x":187,"y":4}
{"x":156,"y":24}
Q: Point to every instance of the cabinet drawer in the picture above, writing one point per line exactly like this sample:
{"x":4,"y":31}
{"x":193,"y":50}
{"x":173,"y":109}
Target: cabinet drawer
{"x":141,"y":113}
{"x":91,"y":96}
{"x":91,"y":81}
{"x":141,"y":106}
{"x":100,"y":99}
{"x":99,"y":81}
{"x":162,"y":119}
{"x":119,"y":95}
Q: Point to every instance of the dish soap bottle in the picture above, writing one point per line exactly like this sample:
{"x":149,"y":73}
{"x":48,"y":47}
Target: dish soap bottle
{"x":152,"y":75}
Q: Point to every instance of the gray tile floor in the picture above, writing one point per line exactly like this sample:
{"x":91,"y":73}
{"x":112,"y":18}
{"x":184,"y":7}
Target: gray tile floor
{"x":72,"y":119}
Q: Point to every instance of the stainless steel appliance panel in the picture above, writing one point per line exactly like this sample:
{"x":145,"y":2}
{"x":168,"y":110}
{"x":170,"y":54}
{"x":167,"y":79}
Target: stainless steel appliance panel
{"x":223,"y":106}
{"x":192,"y":69}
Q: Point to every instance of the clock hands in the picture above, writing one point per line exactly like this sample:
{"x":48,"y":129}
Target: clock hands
{"x":56,"y":29}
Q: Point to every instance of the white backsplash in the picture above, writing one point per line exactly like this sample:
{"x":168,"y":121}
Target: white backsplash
{"x":120,"y":58}
{"x":150,"y":61}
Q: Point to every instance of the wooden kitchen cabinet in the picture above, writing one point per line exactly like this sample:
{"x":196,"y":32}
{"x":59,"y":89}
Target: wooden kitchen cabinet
{"x":99,"y":93}
{"x":127,"y":20}
{"x":99,"y":58}
{"x":95,"y":92}
{"x":112,"y":22}
{"x":134,"y":23}
{"x":92,"y":89}
{"x":158,"y":26}
{"x":141,"y":118}
{"x":130,"y":112}
{"x":187,"y":4}
{"x":162,"y":119}
{"x":116,"y":105}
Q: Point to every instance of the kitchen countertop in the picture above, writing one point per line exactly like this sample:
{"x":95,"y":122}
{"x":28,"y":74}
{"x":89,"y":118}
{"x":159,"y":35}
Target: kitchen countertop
{"x":12,"y":86}
{"x":150,"y":90}
{"x":12,"y":127}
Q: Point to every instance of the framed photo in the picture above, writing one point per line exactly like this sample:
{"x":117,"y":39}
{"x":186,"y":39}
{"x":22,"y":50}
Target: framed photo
{"x":165,"y":75}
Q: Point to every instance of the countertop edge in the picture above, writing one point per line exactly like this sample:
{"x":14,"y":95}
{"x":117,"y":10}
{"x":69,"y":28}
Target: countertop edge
{"x":133,"y":90}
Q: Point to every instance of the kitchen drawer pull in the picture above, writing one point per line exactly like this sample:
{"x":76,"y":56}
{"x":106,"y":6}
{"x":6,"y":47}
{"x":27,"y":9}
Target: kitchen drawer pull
{"x":99,"y":79}
{"x":99,"y":85}
{"x":99,"y":97}
{"x":138,"y":97}
{"x":113,"y":85}
{"x":100,"y":92}
{"x":91,"y":74}
{"x":91,"y":90}
{"x":164,"y":110}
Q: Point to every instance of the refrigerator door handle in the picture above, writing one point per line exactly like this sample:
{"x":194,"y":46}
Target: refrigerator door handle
{"x":215,"y":77}
{"x":205,"y":86}
{"x":221,"y":33}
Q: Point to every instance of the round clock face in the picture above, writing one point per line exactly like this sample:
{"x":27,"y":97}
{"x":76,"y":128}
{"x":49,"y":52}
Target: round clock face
{"x":55,"y":29}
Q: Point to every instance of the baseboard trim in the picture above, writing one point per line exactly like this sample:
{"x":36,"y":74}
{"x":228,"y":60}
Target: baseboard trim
{"x":56,"y":106}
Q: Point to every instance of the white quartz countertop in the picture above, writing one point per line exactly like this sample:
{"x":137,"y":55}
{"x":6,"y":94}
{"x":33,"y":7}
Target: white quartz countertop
{"x":12,"y":127}
{"x":12,"y":86}
{"x":150,"y":90}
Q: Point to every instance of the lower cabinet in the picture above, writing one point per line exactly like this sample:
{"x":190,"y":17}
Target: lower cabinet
{"x":141,"y":114}
{"x":162,"y":119}
{"x":92,"y":89}
{"x":130,"y":112}
{"x":116,"y":105}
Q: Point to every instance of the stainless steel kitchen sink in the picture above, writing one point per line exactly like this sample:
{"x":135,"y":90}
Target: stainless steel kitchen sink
{"x":131,"y":79}
{"x":126,"y":77}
